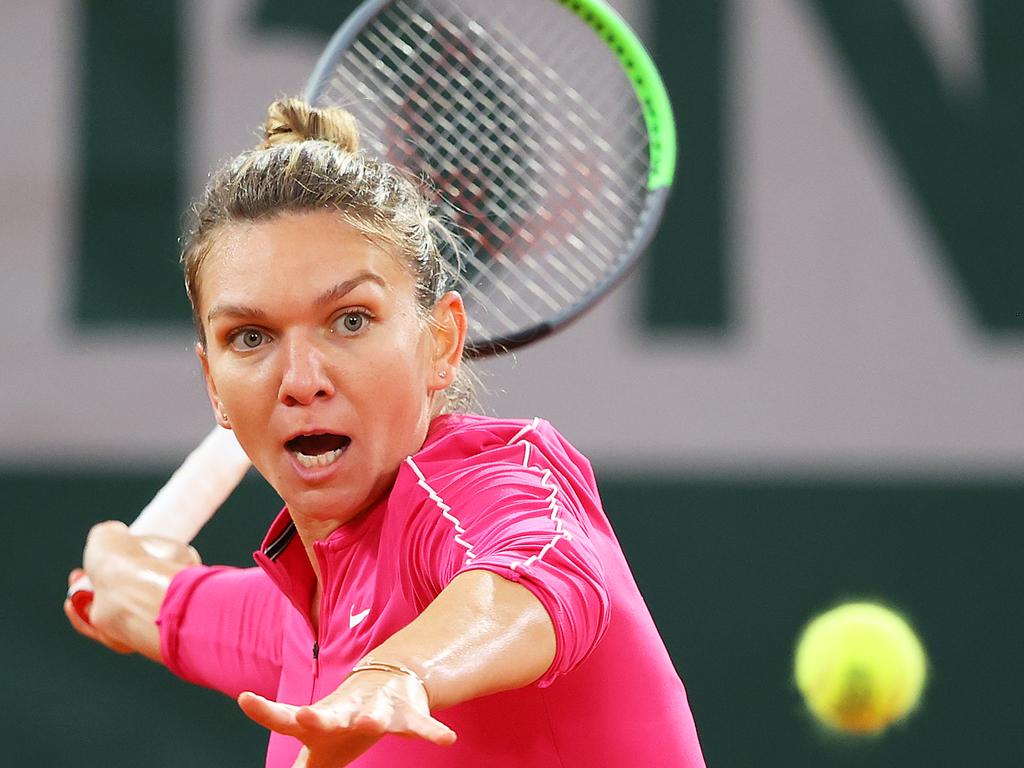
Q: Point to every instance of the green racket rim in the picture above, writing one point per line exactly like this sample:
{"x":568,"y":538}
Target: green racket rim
{"x":647,"y":84}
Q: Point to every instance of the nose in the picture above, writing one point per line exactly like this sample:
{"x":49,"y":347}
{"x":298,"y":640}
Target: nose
{"x":306,"y":376}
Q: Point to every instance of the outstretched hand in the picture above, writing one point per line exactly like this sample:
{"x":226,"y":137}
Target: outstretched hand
{"x":346,"y":723}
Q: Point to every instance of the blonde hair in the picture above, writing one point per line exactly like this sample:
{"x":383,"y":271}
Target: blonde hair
{"x":309,"y":160}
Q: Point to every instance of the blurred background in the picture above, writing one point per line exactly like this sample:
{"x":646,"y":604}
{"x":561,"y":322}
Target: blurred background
{"x":812,"y":389}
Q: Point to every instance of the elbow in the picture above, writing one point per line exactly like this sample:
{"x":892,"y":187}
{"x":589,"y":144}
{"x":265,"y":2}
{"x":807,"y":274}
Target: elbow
{"x":579,"y":619}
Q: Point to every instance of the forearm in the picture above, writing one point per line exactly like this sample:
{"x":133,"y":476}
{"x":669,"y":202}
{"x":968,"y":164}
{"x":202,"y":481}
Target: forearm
{"x":481,"y":635}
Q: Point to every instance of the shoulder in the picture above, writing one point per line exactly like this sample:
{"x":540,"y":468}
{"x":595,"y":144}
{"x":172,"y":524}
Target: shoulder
{"x":466,"y":454}
{"x":459,"y":441}
{"x":458,"y":434}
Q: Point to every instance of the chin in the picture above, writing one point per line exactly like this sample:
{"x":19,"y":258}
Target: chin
{"x":327,"y":504}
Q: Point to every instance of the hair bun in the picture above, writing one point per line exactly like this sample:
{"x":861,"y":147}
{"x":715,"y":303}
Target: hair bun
{"x":291,"y":120}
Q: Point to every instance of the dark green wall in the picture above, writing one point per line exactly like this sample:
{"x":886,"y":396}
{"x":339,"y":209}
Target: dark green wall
{"x":731,"y":570}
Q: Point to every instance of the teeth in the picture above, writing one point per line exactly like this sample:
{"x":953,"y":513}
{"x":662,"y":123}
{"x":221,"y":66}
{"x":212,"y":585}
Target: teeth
{"x":320,"y":460}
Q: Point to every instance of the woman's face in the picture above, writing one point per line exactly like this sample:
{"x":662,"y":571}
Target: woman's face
{"x":319,"y":359}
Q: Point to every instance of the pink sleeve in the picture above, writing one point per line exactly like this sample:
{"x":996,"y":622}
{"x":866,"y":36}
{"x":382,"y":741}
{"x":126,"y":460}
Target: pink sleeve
{"x":220,"y":627}
{"x":523,"y":524}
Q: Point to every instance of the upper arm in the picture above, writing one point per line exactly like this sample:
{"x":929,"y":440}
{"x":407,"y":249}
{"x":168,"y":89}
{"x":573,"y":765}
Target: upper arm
{"x":518,"y":520}
{"x":482,"y":634}
{"x":221,"y":627}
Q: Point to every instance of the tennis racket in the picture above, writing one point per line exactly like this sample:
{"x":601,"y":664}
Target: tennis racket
{"x":186,"y":502}
{"x":543,"y":130}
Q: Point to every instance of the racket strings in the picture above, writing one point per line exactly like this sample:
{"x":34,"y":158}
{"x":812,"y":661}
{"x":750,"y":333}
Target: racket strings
{"x":411,"y":64}
{"x":539,"y":159}
{"x":498,"y":167}
{"x":411,"y":67}
{"x":466,"y":146}
{"x":638,"y":153}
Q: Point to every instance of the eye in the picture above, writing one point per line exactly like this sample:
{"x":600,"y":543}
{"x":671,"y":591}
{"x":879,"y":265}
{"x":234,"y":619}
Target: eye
{"x":351,"y":322}
{"x":247,"y":339}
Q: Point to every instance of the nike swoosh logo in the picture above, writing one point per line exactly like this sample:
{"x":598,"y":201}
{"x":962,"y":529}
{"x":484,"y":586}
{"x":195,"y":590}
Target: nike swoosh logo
{"x":354,"y":619}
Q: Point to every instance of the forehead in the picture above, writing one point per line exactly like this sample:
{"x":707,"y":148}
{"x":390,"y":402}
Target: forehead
{"x":292,"y":256}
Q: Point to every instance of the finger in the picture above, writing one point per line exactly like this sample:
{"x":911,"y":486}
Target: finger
{"x":78,"y":623}
{"x":105,"y":529}
{"x":321,"y":718}
{"x":170,"y":550}
{"x":83,"y":627}
{"x":430,"y":729}
{"x":302,"y":761}
{"x":192,"y":555}
{"x":272,"y":715}
{"x":336,"y":749}
{"x":376,"y":716}
{"x":103,"y":539}
{"x":336,"y":755}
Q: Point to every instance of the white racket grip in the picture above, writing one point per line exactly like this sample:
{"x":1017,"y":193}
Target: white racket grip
{"x":196,"y":490}
{"x":187,"y":500}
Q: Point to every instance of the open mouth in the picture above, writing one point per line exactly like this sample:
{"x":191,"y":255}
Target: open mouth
{"x":318,"y":450}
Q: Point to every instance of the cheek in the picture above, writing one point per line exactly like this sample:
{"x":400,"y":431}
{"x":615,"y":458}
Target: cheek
{"x":244,"y":392}
{"x":411,"y":345}
{"x":402,"y":380}
{"x":402,"y":375}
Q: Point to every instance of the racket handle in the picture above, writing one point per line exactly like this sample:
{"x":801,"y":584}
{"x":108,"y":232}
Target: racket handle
{"x":80,"y":594}
{"x":186,"y":503}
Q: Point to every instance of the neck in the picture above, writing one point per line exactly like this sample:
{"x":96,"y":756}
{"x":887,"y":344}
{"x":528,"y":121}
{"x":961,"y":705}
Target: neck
{"x":310,"y":532}
{"x":311,"y":529}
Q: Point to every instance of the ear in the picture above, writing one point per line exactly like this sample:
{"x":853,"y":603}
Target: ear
{"x":448,"y":330}
{"x":211,"y":389}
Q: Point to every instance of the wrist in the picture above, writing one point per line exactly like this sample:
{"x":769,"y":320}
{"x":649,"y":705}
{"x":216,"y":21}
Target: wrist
{"x":371,"y":664}
{"x":375,"y":665}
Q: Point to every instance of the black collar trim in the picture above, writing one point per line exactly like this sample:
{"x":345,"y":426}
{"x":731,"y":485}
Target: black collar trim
{"x":274,"y":549}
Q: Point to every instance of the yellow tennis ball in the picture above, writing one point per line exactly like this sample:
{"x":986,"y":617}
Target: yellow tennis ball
{"x":860,"y":667}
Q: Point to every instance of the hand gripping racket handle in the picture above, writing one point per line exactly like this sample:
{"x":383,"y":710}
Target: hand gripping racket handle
{"x":186,"y":502}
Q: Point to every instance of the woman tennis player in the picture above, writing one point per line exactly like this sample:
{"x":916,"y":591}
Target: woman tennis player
{"x":436,"y":575}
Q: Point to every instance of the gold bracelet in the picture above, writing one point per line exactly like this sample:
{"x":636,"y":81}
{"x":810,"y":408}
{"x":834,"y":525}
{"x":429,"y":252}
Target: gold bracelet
{"x":371,"y":665}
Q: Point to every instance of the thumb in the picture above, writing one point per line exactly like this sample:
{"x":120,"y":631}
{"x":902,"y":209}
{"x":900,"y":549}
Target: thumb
{"x":271,"y":715}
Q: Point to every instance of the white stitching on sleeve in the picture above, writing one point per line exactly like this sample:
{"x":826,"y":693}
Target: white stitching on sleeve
{"x":552,"y":500}
{"x":446,"y":511}
{"x":528,"y":428}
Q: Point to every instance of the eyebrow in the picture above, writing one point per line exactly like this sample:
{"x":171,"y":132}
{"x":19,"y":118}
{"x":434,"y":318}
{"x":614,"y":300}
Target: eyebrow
{"x":235,"y":310}
{"x":327,"y":297}
{"x":333,"y":294}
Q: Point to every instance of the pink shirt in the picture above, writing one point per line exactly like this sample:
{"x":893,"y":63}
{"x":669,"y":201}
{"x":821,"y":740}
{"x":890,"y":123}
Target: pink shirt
{"x":510,"y":497}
